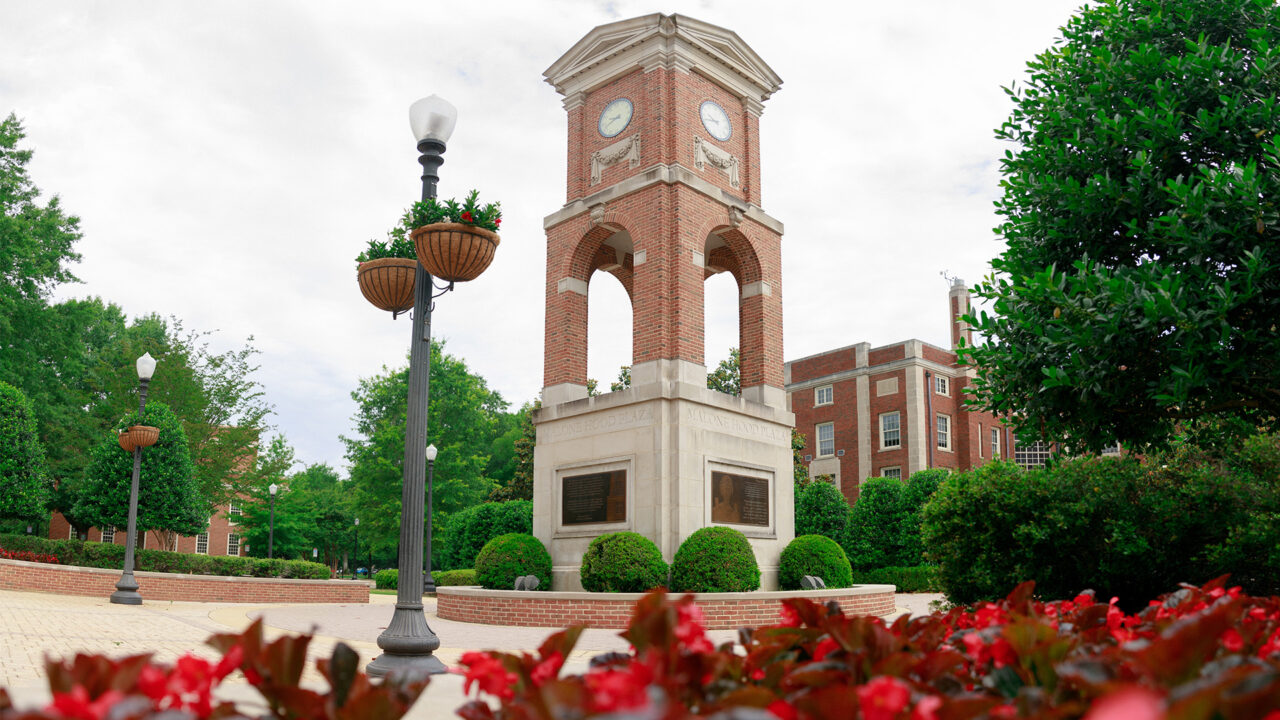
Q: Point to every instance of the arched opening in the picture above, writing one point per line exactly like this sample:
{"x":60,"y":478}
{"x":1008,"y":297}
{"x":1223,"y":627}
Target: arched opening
{"x":609,"y":326}
{"x":721,"y":293}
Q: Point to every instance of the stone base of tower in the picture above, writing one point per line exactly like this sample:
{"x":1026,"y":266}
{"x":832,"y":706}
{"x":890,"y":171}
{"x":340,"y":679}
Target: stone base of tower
{"x":662,"y":459}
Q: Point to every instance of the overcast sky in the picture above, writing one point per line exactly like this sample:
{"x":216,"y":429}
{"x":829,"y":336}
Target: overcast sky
{"x":229,"y":159}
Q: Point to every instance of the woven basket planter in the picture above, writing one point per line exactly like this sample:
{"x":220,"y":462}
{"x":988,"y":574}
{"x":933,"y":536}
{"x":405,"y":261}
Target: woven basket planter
{"x":453,"y":251}
{"x":138,"y":436}
{"x":388,"y":283}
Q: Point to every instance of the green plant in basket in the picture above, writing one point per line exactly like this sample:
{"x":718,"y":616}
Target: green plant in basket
{"x":397,"y":245}
{"x":468,"y":212}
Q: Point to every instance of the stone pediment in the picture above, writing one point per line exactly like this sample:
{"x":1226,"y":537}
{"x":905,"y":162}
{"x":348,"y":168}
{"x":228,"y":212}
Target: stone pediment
{"x":657,"y":40}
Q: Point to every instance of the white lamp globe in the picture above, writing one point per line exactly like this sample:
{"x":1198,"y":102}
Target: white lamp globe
{"x":432,"y":118}
{"x":146,"y":367}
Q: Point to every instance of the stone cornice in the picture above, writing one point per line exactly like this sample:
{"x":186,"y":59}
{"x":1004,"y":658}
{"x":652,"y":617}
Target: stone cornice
{"x":950,"y":371}
{"x":662,"y":173}
{"x":670,"y":41}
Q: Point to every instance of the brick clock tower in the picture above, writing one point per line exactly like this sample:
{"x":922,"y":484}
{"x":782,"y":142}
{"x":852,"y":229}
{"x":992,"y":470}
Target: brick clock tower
{"x":663,"y":192}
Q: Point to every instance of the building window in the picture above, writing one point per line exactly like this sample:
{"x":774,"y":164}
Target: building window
{"x":942,"y":385}
{"x":109,"y":534}
{"x":890,"y":431}
{"x":71,"y":533}
{"x":995,"y":443}
{"x":202,"y":544}
{"x":944,"y":432}
{"x":1031,"y":455}
{"x":234,"y":512}
{"x":233,"y":544}
{"x":980,"y":436}
{"x":1112,"y":450}
{"x":891,"y":472}
{"x":822,"y":396}
{"x":826,"y":439}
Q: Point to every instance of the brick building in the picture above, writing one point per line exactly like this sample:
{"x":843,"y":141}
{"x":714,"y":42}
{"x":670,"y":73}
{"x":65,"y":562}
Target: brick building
{"x":220,"y":538}
{"x":893,"y":410}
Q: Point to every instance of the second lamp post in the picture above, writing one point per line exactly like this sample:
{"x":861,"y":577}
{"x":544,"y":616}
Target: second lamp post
{"x":271,"y":525}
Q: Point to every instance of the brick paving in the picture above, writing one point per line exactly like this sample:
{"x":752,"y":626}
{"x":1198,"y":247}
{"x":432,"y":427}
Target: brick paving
{"x":33,"y":625}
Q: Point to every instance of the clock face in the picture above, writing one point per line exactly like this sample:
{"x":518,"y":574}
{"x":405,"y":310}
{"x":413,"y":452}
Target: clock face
{"x":716,"y":121}
{"x":616,"y":117}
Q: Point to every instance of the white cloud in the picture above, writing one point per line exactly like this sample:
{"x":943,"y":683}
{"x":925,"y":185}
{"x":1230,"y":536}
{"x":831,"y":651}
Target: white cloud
{"x":229,"y":159}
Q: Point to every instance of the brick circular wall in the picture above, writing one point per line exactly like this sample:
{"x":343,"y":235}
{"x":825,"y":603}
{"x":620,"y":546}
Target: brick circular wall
{"x":75,"y":580}
{"x":721,"y":611}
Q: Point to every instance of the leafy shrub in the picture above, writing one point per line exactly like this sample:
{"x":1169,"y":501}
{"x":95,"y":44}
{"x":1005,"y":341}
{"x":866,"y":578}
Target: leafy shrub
{"x":715,"y":559}
{"x":1124,"y":527}
{"x":821,"y":510}
{"x":919,"y":579}
{"x":447,"y":578}
{"x":25,"y":487}
{"x":468,"y":530}
{"x":623,"y":562}
{"x":884,"y":526}
{"x":814,"y":555}
{"x":916,"y":493}
{"x":388,"y":579}
{"x":507,"y":557}
{"x":102,"y":555}
{"x":1202,"y":652}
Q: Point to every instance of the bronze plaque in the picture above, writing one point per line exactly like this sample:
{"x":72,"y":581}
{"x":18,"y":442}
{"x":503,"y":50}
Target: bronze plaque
{"x":595,"y":498}
{"x":739,"y":499}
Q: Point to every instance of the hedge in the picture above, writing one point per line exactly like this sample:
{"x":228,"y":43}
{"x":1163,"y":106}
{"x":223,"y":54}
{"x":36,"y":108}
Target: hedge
{"x":389,"y":579}
{"x":1125,"y":527}
{"x":466,"y":531}
{"x":100,"y":555}
{"x":919,"y":579}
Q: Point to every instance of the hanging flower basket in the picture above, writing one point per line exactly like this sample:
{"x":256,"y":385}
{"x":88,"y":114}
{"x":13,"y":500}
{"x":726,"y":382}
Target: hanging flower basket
{"x":138,"y":436}
{"x":388,"y":283}
{"x":454,"y":251}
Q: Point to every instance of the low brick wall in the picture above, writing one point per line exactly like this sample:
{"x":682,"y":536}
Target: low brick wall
{"x":721,"y":611}
{"x":75,"y":580}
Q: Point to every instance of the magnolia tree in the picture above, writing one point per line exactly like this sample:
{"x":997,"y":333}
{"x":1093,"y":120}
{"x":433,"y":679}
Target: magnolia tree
{"x":169,"y":498}
{"x":1140,"y":286}
{"x":24,"y":486}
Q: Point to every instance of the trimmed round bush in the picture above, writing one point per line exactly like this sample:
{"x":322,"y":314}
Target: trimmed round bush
{"x":814,"y":555}
{"x":452,"y":578}
{"x":507,"y":557}
{"x":821,"y":510}
{"x":466,"y":531}
{"x":623,"y":562}
{"x":715,"y":559}
{"x":388,"y":579}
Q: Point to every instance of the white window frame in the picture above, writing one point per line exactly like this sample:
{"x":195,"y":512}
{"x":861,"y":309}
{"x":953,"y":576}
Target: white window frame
{"x":234,"y":510}
{"x":233,"y":540}
{"x":897,"y":443}
{"x":1032,"y":455}
{"x":1112,"y":450}
{"x":202,"y":538}
{"x":942,"y":385}
{"x":943,"y":425}
{"x":817,"y":433}
{"x":823,"y":395}
{"x":109,"y":534}
{"x":981,"y":439}
{"x":995,"y":443}
{"x":71,"y":534}
{"x":894,"y":472}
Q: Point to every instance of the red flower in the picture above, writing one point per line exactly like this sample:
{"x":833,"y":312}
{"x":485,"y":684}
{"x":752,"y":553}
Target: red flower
{"x":466,"y":217}
{"x":976,"y":648}
{"x":488,"y":673}
{"x":76,"y":704}
{"x":497,"y":221}
{"x":781,"y":710}
{"x":883,"y":698}
{"x":689,"y":629}
{"x":1003,"y":653}
{"x":790,"y":618}
{"x":229,"y":663}
{"x":1131,"y":703}
{"x":1272,"y":645}
{"x":548,"y":669}
{"x":1232,"y":641}
{"x":927,"y":709}
{"x":825,"y":646}
{"x":613,"y":690}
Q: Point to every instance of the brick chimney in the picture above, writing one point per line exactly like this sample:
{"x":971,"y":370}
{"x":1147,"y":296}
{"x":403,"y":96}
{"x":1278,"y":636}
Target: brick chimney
{"x":958,"y":302}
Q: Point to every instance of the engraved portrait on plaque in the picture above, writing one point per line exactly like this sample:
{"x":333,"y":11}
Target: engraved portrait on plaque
{"x":594,"y":498}
{"x":739,"y":499}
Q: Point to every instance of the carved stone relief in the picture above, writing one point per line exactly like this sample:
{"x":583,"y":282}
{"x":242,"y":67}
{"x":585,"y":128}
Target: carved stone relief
{"x":627,"y":149}
{"x":704,"y":153}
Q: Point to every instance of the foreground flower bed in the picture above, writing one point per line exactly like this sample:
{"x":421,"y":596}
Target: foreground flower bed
{"x":1207,"y":652}
{"x":1199,"y":653}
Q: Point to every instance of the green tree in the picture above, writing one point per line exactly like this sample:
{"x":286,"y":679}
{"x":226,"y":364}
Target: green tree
{"x":624,"y":379}
{"x":519,"y":484}
{"x":821,"y":510}
{"x":169,"y":499}
{"x":1140,"y":284}
{"x":462,"y":417}
{"x":294,"y":522}
{"x":24,"y":486}
{"x":727,"y":377}
{"x":329,"y":502}
{"x":799,"y":469}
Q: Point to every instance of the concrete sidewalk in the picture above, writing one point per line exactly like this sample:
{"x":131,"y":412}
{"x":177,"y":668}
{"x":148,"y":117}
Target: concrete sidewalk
{"x":33,"y":625}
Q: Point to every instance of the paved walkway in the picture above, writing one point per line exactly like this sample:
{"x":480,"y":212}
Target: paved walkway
{"x":33,"y":625}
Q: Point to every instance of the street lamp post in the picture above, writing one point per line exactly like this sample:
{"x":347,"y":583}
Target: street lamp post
{"x":408,"y":642}
{"x":271,"y":525}
{"x":127,"y":588}
{"x":428,"y":582}
{"x":355,"y":554}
